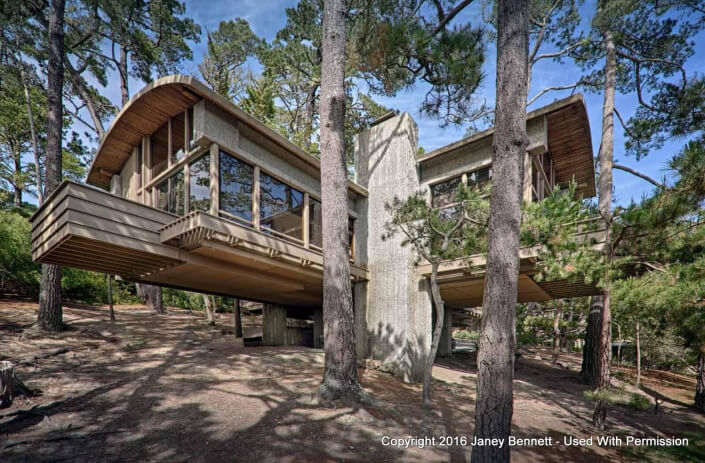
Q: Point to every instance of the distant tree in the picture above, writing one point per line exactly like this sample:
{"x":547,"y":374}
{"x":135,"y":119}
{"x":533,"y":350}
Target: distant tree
{"x":229,"y":47}
{"x":437,"y":235}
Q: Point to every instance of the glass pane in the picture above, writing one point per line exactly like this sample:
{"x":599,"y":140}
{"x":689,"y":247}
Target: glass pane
{"x":444,"y":193}
{"x":158,"y":142}
{"x":351,"y":236}
{"x":178,"y":130}
{"x":138,"y":167}
{"x":176,"y":194}
{"x":281,"y":206}
{"x":236,"y":180}
{"x":162,"y":201}
{"x":190,"y":141}
{"x":199,"y":184}
{"x":480,"y":177}
{"x":315,"y":222}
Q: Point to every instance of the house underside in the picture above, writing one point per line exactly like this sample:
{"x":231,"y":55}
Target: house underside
{"x":190,"y":192}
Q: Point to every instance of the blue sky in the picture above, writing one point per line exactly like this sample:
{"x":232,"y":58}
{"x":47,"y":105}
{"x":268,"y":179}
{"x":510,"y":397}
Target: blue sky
{"x":268,"y":16}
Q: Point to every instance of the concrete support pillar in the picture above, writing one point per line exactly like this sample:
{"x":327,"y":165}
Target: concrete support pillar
{"x":393,"y":309}
{"x":273,"y":325}
{"x":445,"y":343}
{"x":318,"y":328}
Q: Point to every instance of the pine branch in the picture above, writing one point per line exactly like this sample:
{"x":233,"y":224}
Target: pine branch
{"x":640,"y":175}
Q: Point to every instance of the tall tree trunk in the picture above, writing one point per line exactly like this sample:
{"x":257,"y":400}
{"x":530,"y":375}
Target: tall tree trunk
{"x":340,"y":371}
{"x":32,"y":129}
{"x":437,"y":330}
{"x":122,"y":67}
{"x":605,"y":209}
{"x":557,"y":334}
{"x":638,"y":354}
{"x":209,"y":309}
{"x":588,"y":371}
{"x":17,"y":185}
{"x":237,"y":315}
{"x":50,"y":316}
{"x":700,"y":383}
{"x":495,"y":359}
{"x":110,"y":297}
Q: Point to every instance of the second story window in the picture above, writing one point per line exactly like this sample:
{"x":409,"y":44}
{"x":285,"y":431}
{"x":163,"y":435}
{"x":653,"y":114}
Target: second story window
{"x":315,"y":222}
{"x":443,"y":193}
{"x":170,"y":194}
{"x":199,"y":184}
{"x":178,"y":134}
{"x":236,"y":185}
{"x":480,"y":177}
{"x":281,"y":207}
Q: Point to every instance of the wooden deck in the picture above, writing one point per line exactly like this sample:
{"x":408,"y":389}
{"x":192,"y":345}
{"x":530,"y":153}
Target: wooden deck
{"x":83,"y":227}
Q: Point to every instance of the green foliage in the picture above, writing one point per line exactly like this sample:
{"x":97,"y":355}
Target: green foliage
{"x":17,"y":271}
{"x":413,"y":41}
{"x":442,"y":234}
{"x":229,"y":47}
{"x":560,"y":228}
{"x":639,"y":402}
{"x":465,"y":334}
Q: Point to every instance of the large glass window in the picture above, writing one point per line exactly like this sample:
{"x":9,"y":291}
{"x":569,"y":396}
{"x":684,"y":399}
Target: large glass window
{"x":236,"y":180}
{"x":480,"y":177}
{"x":315,"y":223}
{"x":190,"y":141}
{"x":444,"y":193}
{"x":178,"y":131}
{"x":199,"y":184}
{"x":170,"y":194}
{"x":281,"y":207}
{"x":159,"y":146}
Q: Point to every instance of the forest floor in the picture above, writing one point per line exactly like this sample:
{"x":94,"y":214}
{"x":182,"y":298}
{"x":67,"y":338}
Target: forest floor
{"x":172,"y":389}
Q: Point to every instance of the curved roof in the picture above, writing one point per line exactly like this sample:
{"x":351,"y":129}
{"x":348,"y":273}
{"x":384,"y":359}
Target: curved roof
{"x":569,"y":142}
{"x":160,"y":100}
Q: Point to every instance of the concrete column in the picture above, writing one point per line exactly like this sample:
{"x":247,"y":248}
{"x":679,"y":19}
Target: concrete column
{"x":445,"y":343}
{"x":393,"y":309}
{"x":317,"y":328}
{"x":273,"y":325}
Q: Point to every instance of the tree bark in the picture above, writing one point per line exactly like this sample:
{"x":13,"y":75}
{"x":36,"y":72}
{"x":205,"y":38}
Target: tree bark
{"x":209,"y":309}
{"x":700,"y":383}
{"x":122,"y":67}
{"x":110,"y":297}
{"x":495,"y":359}
{"x":638,"y":354}
{"x":588,"y":371}
{"x":605,"y":209}
{"x":7,"y":383}
{"x":17,"y":186}
{"x":557,"y":334}
{"x":237,"y":315}
{"x":50,"y":315}
{"x":340,"y":371}
{"x":437,"y":330}
{"x":151,"y":295}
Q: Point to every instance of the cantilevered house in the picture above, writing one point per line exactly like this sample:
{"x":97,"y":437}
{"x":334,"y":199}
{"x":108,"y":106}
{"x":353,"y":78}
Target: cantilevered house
{"x":189,"y":191}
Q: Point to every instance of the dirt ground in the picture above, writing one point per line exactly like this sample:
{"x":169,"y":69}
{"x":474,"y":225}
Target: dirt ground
{"x":171,"y":389}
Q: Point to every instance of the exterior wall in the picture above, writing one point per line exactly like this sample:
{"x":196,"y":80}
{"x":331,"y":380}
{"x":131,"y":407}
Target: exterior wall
{"x":128,"y":176}
{"x":479,"y":154}
{"x":392,"y":309}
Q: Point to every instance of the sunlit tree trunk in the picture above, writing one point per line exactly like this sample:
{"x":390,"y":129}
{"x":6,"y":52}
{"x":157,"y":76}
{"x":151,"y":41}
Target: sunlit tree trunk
{"x":495,"y":359}
{"x":340,"y":371}
{"x":638,"y":354}
{"x":438,"y":329}
{"x":605,"y":208}
{"x":50,"y":315}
